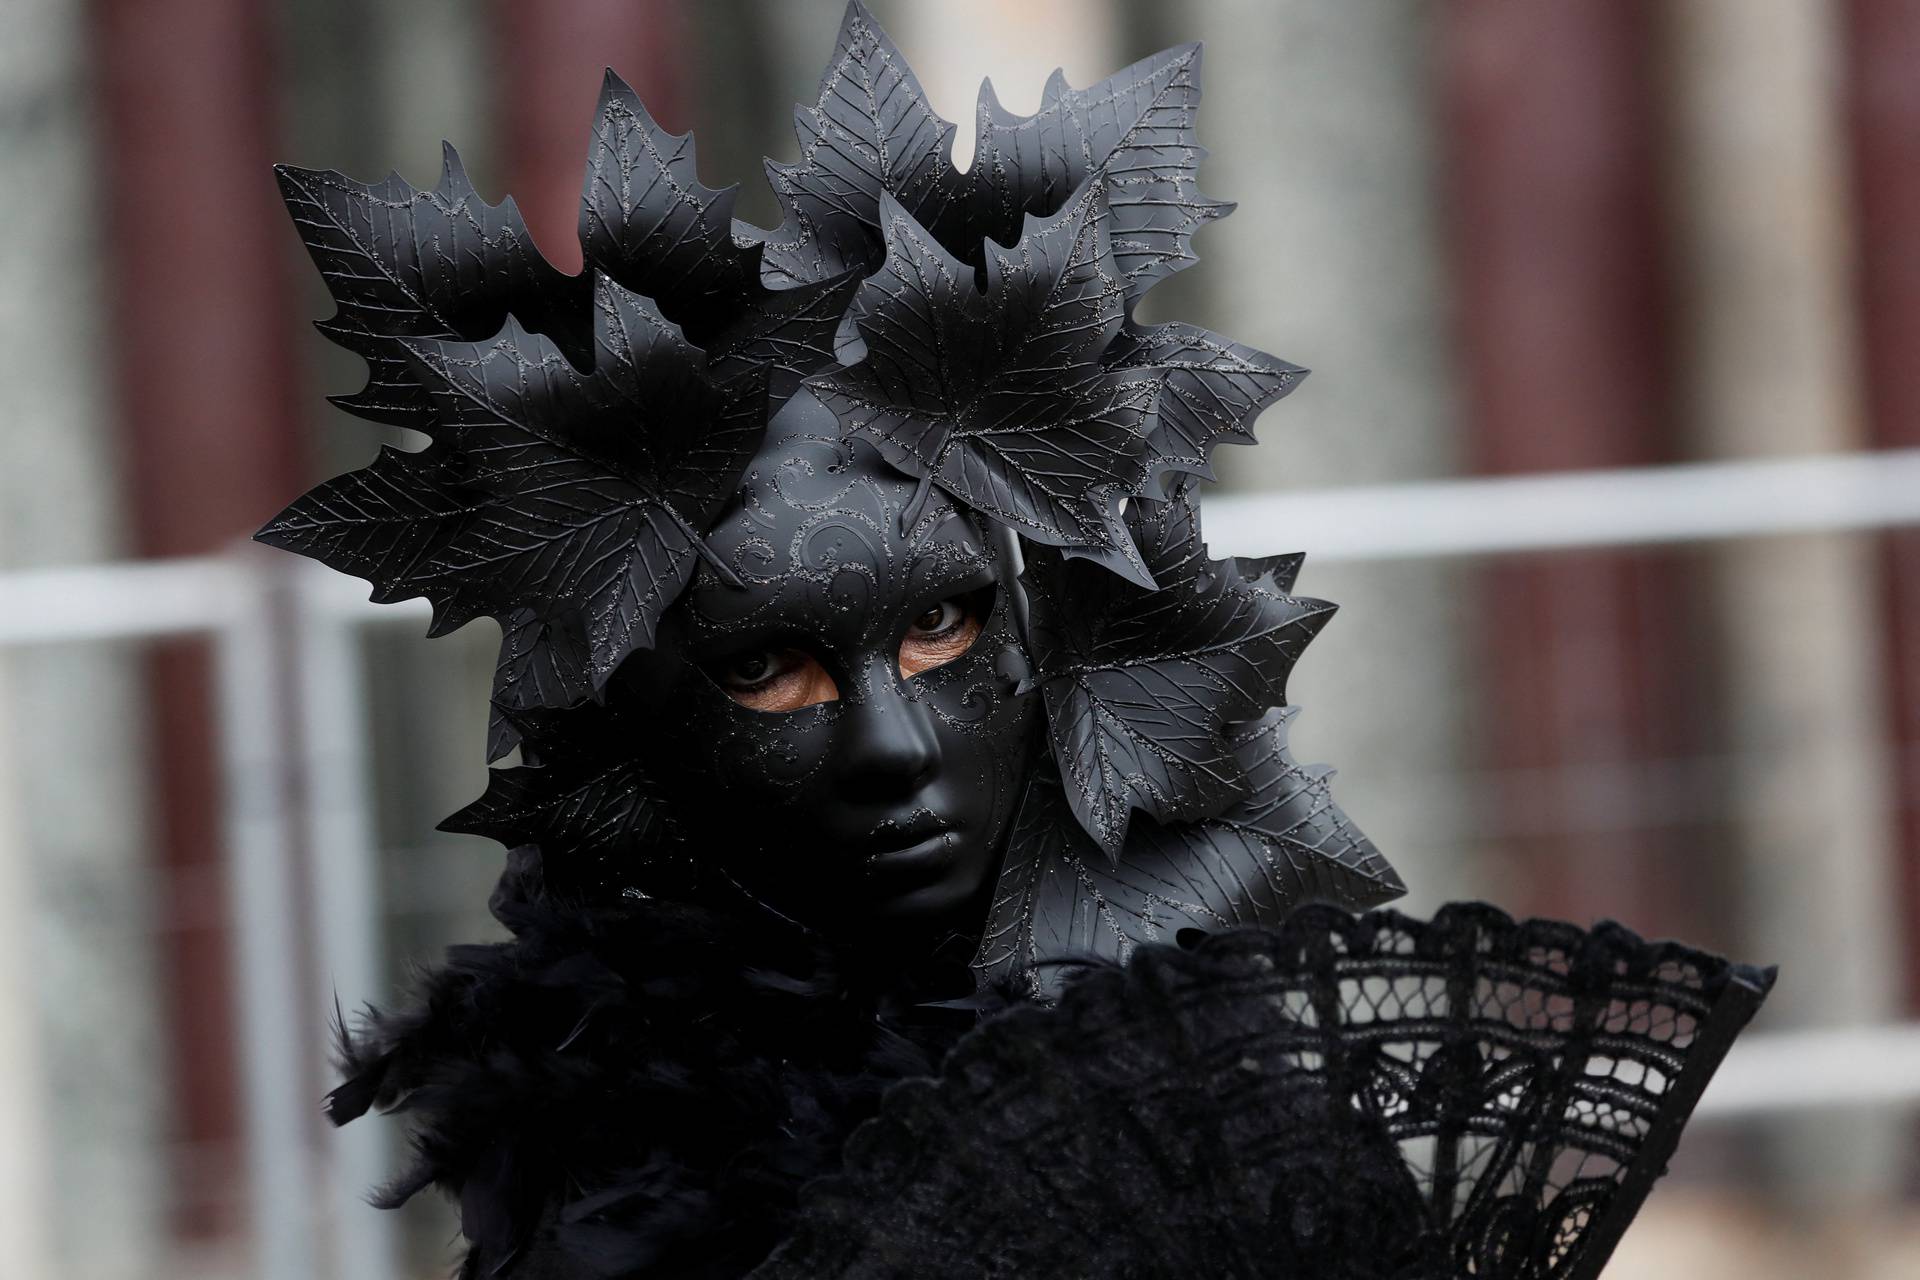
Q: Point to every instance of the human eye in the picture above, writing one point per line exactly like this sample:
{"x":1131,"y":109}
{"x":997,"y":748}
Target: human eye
{"x":774,"y":679}
{"x":753,"y":670}
{"x":941,"y":633}
{"x":940,"y":620}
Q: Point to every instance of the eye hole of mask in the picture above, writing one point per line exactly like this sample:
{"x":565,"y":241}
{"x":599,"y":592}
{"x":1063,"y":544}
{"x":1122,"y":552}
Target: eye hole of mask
{"x":781,"y":678}
{"x":942,"y":633}
{"x":775,"y":679}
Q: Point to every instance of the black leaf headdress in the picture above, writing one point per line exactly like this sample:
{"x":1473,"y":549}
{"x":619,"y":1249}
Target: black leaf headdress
{"x":586,"y":429}
{"x":977,"y":330}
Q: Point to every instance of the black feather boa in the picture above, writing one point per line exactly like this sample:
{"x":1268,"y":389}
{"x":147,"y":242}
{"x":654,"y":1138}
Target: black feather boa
{"x":637,"y":1090}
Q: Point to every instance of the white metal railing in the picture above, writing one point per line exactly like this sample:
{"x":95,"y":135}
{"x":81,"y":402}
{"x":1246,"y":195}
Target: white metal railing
{"x":244,"y":601}
{"x":1688,"y":502}
{"x":1820,"y":1067}
{"x":240,"y":602}
{"x":254,"y":728}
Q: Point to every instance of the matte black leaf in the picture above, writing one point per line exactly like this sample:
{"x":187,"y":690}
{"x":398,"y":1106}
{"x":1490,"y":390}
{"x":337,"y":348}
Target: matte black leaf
{"x":1211,"y":390}
{"x":566,"y":811}
{"x":543,"y":663}
{"x":574,"y":497}
{"x":1276,"y":573}
{"x":1059,"y":897}
{"x":783,"y":334}
{"x":1001,"y":397}
{"x":386,"y":522}
{"x":648,"y":223}
{"x":870,"y":132}
{"x":1141,"y":686}
{"x":1285,"y":844}
{"x":405,"y":263}
{"x":592,"y":811}
{"x":1135,"y":132}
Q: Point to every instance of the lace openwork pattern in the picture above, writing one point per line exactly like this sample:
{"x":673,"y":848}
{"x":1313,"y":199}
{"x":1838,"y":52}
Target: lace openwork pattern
{"x":1341,"y":1097}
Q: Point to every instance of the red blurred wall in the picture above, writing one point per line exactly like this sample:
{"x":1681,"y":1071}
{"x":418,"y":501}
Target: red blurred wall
{"x":203,"y":378}
{"x":1550,"y":163}
{"x":552,"y":56}
{"x":1883,"y":81}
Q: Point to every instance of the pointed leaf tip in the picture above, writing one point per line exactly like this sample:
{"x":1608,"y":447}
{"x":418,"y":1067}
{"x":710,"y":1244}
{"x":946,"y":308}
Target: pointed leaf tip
{"x":1001,"y":397}
{"x":1142,"y":687}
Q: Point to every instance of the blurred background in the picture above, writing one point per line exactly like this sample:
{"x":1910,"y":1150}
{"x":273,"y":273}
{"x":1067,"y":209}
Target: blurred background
{"x":1612,"y":458}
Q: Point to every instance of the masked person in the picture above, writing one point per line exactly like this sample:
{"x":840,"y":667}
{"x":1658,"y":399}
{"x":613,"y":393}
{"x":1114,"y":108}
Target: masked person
{"x":868,"y":673}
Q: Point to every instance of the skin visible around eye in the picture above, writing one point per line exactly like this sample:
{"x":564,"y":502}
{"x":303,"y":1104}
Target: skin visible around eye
{"x":790,"y":679}
{"x":938,"y":636}
{"x":777,"y":680}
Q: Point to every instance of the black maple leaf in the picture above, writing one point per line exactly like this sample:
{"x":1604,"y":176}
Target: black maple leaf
{"x":405,"y":263}
{"x":870,"y":133}
{"x":1134,"y":131}
{"x":648,"y":223}
{"x":1142,"y":685}
{"x":1001,"y":397}
{"x":550,"y":498}
{"x":591,"y":809}
{"x":1210,"y":389}
{"x":443,"y":263}
{"x":1285,"y":844}
{"x":543,"y":662}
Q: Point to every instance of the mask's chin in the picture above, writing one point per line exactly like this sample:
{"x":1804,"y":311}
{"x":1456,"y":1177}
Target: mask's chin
{"x":943,"y":928}
{"x":884,"y":903}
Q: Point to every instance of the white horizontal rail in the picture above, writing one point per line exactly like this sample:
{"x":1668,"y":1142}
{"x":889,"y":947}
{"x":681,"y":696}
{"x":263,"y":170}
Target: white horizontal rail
{"x":1818,"y":1067}
{"x":129,"y":600}
{"x":1624,"y":507}
{"x":1686,"y":502}
{"x":344,"y":599}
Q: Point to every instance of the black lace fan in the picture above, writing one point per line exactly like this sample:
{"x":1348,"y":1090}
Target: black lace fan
{"x":1341,"y":1098}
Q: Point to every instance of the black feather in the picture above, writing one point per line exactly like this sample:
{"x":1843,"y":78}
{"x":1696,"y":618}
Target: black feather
{"x":640,"y":1088}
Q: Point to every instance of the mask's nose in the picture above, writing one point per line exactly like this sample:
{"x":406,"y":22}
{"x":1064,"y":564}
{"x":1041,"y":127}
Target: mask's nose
{"x":886,"y":743}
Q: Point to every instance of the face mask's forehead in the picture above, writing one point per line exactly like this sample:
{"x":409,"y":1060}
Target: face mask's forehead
{"x":816,"y":538}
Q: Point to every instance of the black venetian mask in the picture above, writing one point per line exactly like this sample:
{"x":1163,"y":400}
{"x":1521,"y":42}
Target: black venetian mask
{"x":844,"y":719}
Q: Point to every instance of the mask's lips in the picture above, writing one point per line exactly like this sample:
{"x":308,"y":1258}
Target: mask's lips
{"x":893,"y":835}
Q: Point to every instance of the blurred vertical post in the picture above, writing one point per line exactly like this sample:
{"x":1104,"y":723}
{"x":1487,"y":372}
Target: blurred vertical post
{"x":80,"y":1176}
{"x":202,"y":370}
{"x":1319,"y":120}
{"x":24,"y":1191}
{"x":552,"y":56}
{"x":1883,"y":63}
{"x":1554,"y":233}
{"x":1772,"y":361}
{"x":1016,"y":44}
